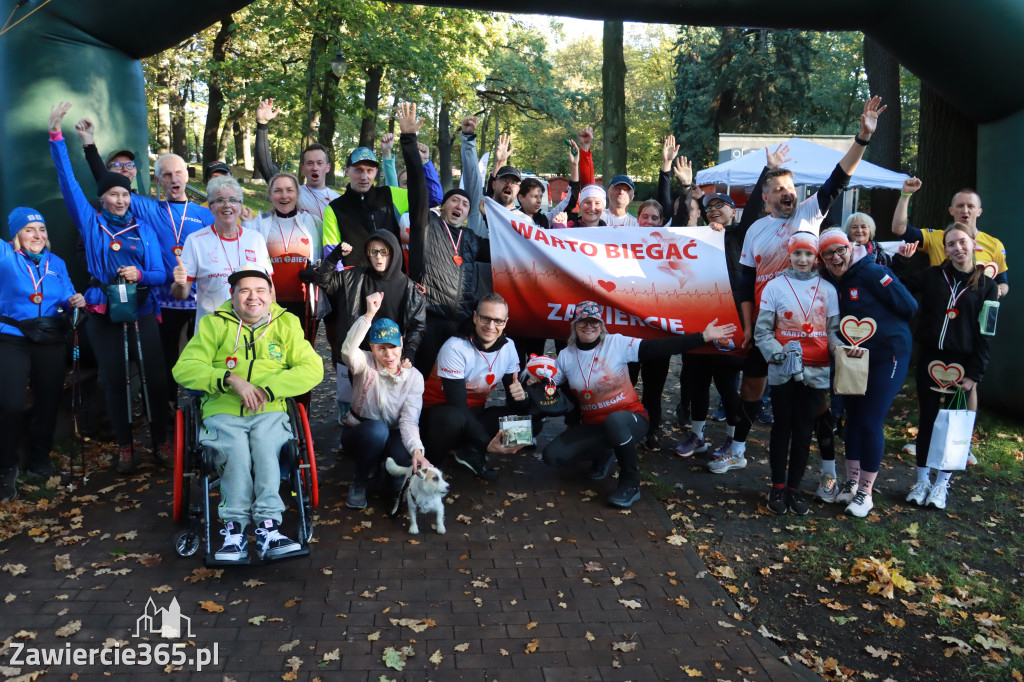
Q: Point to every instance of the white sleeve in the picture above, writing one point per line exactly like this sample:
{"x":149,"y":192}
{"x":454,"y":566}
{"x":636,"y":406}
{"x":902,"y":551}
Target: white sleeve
{"x":190,"y":256}
{"x":450,"y":362}
{"x":746,"y":255}
{"x":512,"y":366}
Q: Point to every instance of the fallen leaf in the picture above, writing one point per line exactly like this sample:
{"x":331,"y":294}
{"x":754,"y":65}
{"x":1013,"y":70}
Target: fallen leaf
{"x":622,"y":646}
{"x":630,"y":603}
{"x":436,"y":658}
{"x":257,"y":620}
{"x":252,"y":582}
{"x":130,"y":535}
{"x":14,"y":569}
{"x":531,"y":625}
{"x":878,"y":653}
{"x":212,"y":607}
{"x":332,"y":655}
{"x":893,"y":620}
{"x":677,"y":540}
{"x":589,"y":636}
{"x":161,"y":589}
{"x":691,"y":672}
{"x":395,"y":658}
{"x":531,"y":646}
{"x":62,"y":562}
{"x":199,"y":574}
{"x":69,"y":629}
{"x":289,"y":646}
{"x":374,"y":636}
{"x":462,"y":647}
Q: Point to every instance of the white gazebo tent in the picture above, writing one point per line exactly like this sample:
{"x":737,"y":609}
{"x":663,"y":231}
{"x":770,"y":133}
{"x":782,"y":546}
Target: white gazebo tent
{"x":811,"y":165}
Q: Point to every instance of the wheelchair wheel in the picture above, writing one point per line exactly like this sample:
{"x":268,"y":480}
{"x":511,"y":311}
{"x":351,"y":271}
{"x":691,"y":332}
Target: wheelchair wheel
{"x":181,"y":489}
{"x":186,"y":543}
{"x":309,"y":478}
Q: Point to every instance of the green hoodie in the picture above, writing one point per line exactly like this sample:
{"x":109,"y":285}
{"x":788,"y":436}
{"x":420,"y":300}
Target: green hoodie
{"x":274,"y":356}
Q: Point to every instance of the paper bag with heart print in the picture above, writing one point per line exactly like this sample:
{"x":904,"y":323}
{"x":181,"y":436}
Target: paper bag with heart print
{"x":852,"y":373}
{"x":951,"y":436}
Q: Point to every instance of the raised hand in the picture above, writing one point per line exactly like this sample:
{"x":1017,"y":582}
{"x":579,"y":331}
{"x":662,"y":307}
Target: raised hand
{"x":668,"y":152}
{"x":911,"y":185}
{"x":407,"y":122}
{"x":504,"y":150}
{"x":386,"y":144}
{"x":180,"y":273}
{"x":561,"y":218}
{"x":469,"y":124}
{"x":717,"y":332}
{"x":778,"y":157}
{"x":574,"y":154}
{"x":586,"y":137}
{"x":57,"y":114}
{"x":424,"y":152}
{"x":265,"y":111}
{"x":86,"y":130}
{"x":373,"y":302}
{"x":869,"y":119}
{"x":683,"y":169}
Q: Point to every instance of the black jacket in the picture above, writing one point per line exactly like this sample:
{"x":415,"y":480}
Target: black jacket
{"x":360,"y":214}
{"x":450,"y":285}
{"x":936,"y":332}
{"x":349,"y":288}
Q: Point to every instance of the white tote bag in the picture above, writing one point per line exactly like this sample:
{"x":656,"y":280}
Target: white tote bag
{"x":951,"y":437}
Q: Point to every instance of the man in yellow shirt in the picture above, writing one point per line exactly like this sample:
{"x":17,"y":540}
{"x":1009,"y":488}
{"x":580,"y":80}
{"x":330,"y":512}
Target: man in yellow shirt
{"x":964,"y":208}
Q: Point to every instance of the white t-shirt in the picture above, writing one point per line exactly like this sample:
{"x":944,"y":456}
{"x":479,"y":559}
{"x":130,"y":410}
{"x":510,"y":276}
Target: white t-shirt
{"x":599,"y":377}
{"x":626,"y":220}
{"x":765,"y":246}
{"x":802,"y":308}
{"x":209,"y":260}
{"x":460,"y":359}
{"x":315,"y":201}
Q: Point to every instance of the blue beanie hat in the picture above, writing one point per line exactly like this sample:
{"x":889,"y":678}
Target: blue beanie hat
{"x":20,"y":217}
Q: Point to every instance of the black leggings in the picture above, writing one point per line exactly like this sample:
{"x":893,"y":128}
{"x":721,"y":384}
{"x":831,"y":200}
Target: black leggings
{"x":654,"y":372}
{"x":794,"y":406}
{"x":445,"y":428}
{"x":41,"y":366}
{"x":619,"y":432}
{"x":698,"y":372}
{"x":172,"y":322}
{"x":107,"y":340}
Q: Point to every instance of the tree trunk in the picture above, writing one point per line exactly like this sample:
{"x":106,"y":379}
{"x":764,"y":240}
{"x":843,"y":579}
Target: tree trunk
{"x":317,"y":47}
{"x":246,"y":159}
{"x":444,"y":145}
{"x":884,"y":81}
{"x":945,"y":167}
{"x":163,"y":110}
{"x":179,"y":123}
{"x":225,"y":139}
{"x":236,"y":132}
{"x":371,"y":100}
{"x":214,"y":112}
{"x":327,"y":122}
{"x":613,"y":89}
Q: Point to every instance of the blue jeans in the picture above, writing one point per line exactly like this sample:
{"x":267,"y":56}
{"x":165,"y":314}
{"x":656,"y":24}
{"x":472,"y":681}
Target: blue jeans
{"x":369,"y":444}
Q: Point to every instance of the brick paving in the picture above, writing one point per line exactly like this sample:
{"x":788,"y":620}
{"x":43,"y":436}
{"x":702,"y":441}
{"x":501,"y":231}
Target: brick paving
{"x":536,"y":580}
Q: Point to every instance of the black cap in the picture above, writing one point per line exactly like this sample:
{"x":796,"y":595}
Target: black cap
{"x":237,"y":275}
{"x":509,"y":170}
{"x":121,"y":152}
{"x":109,"y":180}
{"x":217,"y":167}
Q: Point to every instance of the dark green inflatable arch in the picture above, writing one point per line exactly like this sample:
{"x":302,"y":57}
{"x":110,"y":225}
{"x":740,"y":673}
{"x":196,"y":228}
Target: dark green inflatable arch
{"x":87,"y":51}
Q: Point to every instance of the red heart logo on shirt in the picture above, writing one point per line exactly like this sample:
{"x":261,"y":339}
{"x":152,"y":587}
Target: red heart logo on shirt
{"x":607,"y":286}
{"x":808,"y":328}
{"x":490,"y":379}
{"x":304,"y":241}
{"x":788,"y":314}
{"x":757,"y":259}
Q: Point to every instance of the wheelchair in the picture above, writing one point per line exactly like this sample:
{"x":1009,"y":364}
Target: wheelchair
{"x":194,"y":468}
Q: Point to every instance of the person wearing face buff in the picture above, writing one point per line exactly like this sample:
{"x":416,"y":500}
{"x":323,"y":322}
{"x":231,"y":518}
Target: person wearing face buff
{"x":952,"y":298}
{"x":387,"y":399}
{"x":35,"y":288}
{"x":595,"y":365}
{"x":119,"y":246}
{"x":876,"y":301}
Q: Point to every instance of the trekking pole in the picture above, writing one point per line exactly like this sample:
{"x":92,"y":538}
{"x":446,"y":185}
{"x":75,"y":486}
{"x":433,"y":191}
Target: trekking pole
{"x":128,"y":385}
{"x":76,"y":391}
{"x":142,"y":375}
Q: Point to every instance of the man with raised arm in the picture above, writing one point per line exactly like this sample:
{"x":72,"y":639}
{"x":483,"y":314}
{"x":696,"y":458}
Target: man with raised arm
{"x":964,"y":207}
{"x":314,"y":194}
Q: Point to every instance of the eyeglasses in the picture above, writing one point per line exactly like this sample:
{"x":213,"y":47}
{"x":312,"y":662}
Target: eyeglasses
{"x":117,"y":165}
{"x":230,"y":200}
{"x":589,"y":322}
{"x":379,"y":252}
{"x":829,"y":255}
{"x":716,"y":204}
{"x":491,"y":321}
{"x":510,"y":180}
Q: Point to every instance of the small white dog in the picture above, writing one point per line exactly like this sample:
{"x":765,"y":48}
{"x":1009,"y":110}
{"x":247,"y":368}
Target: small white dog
{"x":424,"y":492}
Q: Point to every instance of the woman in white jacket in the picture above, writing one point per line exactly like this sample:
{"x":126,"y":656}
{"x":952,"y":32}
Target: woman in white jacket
{"x":386,"y":401}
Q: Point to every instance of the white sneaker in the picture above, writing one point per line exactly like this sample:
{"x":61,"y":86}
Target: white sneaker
{"x":828,"y":488}
{"x":919,"y":493}
{"x":910,"y":449}
{"x":971,"y":459}
{"x":847,"y":492}
{"x":861,"y":504}
{"x":727,"y":463}
{"x":937,"y":496}
{"x":234,"y":548}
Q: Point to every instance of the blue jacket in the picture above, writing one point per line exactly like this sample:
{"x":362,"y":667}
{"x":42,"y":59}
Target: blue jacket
{"x":142,"y":246}
{"x":17,"y":272}
{"x":871,"y":290}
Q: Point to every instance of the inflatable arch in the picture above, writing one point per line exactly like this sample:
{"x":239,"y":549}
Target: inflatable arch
{"x":89,"y":54}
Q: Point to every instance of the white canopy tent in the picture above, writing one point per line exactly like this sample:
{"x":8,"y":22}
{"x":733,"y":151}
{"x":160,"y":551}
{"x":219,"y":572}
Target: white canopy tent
{"x":811,"y":164}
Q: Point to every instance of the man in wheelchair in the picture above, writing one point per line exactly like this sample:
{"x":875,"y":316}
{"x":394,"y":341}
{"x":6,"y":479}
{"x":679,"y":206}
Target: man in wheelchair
{"x":248,"y":357}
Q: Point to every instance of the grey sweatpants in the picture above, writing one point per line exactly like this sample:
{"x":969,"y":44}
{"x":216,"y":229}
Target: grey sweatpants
{"x":246,"y":452}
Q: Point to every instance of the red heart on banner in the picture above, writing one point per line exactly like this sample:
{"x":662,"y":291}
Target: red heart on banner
{"x":490,"y":379}
{"x":945,"y":375}
{"x":788,"y":314}
{"x":857,"y":331}
{"x":607,"y":286}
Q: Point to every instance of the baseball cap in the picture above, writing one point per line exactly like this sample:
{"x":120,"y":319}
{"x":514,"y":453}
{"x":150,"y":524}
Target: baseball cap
{"x":621,"y":180}
{"x":217,"y":167}
{"x":724,"y":197}
{"x":510,"y":170}
{"x":362,"y":155}
{"x":385,"y":331}
{"x":120,"y":152}
{"x":238,"y":275}
{"x":586,"y":309}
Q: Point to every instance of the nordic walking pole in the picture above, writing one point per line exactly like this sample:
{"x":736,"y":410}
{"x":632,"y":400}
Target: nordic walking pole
{"x":128,"y":384}
{"x":142,"y":374}
{"x":76,"y":391}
